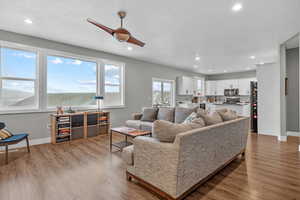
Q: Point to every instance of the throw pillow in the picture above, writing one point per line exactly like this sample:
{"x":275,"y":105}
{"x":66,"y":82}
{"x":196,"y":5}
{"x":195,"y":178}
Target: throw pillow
{"x":149,"y":114}
{"x":182,"y":113}
{"x":212,"y":118}
{"x":199,"y":120}
{"x":166,"y":131}
{"x":222,"y":110}
{"x":166,"y":114}
{"x":5,"y":134}
{"x":201,"y":112}
{"x":229,"y":115}
{"x":190,"y":118}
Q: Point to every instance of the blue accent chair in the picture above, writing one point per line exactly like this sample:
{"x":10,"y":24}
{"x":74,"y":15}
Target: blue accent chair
{"x":14,"y":139}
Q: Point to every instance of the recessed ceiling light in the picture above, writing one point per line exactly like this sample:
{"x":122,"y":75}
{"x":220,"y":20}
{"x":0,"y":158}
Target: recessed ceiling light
{"x":28,"y":21}
{"x":248,"y":68}
{"x":237,"y":7}
{"x":197,"y":58}
{"x":225,"y":70}
{"x":195,"y":66}
{"x":252,"y":57}
{"x":261,"y":63}
{"x":129,"y":48}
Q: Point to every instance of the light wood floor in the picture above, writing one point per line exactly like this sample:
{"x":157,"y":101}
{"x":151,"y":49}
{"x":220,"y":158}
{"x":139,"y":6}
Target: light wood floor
{"x":85,"y":170}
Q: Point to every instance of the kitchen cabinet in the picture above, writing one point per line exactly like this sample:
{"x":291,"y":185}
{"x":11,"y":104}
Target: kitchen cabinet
{"x":210,"y":88}
{"x":216,"y":88}
{"x":190,"y":86}
{"x":185,"y":85}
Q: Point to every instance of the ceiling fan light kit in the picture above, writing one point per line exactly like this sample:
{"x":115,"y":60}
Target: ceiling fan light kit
{"x":121,"y":34}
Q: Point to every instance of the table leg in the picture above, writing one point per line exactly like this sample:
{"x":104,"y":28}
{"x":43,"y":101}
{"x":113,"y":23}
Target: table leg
{"x":110,"y":141}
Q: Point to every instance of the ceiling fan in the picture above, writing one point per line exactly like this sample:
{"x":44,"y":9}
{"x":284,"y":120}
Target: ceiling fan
{"x":121,"y":34}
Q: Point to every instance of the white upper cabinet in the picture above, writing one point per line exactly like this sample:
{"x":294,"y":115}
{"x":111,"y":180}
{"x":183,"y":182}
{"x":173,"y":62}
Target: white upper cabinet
{"x":185,"y":85}
{"x":244,"y":86}
{"x":190,"y":86}
{"x":216,"y":88}
{"x":210,"y":88}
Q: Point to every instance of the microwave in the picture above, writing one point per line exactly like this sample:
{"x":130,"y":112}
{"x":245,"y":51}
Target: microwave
{"x":231,"y":92}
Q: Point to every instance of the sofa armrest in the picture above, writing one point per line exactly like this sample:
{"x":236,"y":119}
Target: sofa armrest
{"x":156,"y":163}
{"x":137,"y":116}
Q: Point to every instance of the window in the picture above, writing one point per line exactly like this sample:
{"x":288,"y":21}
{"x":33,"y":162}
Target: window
{"x":35,"y":79}
{"x":71,"y":82}
{"x":163,"y":92}
{"x":113,"y":85}
{"x":18,"y":84}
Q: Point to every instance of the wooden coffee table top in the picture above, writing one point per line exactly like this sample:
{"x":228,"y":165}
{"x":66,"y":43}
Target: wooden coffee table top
{"x":132,"y":132}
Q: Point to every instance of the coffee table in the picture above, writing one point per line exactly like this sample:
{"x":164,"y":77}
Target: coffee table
{"x":127,"y":132}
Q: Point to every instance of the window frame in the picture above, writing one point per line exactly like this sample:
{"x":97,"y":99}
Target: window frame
{"x":41,"y":77}
{"x":36,"y":80}
{"x":173,"y":82}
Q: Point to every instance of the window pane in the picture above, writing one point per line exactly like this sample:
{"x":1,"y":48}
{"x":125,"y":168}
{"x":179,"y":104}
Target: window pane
{"x":70,"y":82}
{"x":17,"y":63}
{"x":162,"y":93}
{"x":112,"y":89}
{"x":16,"y":94}
{"x":112,"y":74}
{"x":156,"y":87}
{"x":167,"y":94}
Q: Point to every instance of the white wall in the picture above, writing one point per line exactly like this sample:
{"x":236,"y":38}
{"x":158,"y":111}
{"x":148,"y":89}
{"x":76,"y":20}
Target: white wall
{"x":268,"y":78}
{"x":138,"y":85}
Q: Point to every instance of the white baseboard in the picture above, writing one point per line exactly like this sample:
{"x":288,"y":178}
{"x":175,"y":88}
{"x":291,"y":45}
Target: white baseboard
{"x":293,"y":133}
{"x":282,"y":138}
{"x":31,"y":143}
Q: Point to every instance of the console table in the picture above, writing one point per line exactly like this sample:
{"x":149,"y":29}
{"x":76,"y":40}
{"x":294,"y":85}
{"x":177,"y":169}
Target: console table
{"x":69,"y":126}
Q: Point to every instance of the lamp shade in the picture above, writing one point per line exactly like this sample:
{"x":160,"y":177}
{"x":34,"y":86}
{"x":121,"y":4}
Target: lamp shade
{"x":99,"y":97}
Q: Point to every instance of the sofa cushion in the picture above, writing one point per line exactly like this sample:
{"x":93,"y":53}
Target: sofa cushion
{"x":146,"y":126}
{"x":190,"y":118}
{"x":166,"y":114}
{"x":134,"y":124}
{"x":127,"y":154}
{"x":199,"y":120}
{"x":221,"y":110}
{"x":228,"y":115}
{"x":182,"y":113}
{"x":149,"y":114}
{"x":212,"y":118}
{"x":201,"y":112}
{"x":166,"y":131}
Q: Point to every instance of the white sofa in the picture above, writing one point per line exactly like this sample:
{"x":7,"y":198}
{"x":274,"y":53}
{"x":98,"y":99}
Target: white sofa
{"x":174,"y":169}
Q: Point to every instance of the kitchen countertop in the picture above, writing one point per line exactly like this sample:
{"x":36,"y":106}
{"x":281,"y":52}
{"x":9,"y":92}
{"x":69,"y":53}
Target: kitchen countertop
{"x":230,"y":104}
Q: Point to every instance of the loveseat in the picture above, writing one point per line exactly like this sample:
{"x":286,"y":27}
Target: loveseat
{"x":174,"y":169}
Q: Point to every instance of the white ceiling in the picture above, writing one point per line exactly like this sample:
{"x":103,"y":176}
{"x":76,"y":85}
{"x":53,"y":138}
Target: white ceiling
{"x":175,"y":31}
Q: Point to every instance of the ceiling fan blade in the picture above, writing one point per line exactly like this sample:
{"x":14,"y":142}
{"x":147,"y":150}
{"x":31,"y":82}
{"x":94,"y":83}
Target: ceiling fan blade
{"x":135,"y":41}
{"x":105,"y":28}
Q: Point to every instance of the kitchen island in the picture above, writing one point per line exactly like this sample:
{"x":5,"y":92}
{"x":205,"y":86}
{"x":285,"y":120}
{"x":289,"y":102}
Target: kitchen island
{"x":242,"y":109}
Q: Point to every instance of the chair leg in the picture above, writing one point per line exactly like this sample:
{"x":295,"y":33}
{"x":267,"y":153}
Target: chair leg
{"x":27,"y":141}
{"x":6,"y":153}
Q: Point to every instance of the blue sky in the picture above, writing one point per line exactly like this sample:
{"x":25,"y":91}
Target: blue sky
{"x":64,"y":74}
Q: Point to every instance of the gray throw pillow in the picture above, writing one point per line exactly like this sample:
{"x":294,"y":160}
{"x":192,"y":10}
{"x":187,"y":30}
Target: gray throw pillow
{"x":212,"y":118}
{"x":166,"y":114}
{"x":149,"y":114}
{"x":166,"y":131}
{"x":182,"y":113}
{"x":228,"y":115}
